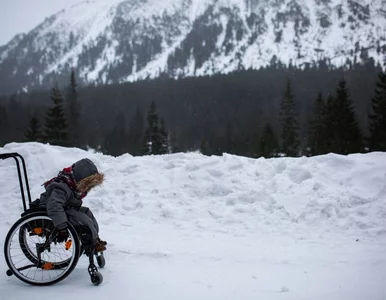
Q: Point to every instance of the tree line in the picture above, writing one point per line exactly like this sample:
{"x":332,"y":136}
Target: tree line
{"x":61,"y":127}
{"x":269,"y":113}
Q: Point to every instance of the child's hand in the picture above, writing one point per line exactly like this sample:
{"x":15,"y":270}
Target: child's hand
{"x":62,"y":236}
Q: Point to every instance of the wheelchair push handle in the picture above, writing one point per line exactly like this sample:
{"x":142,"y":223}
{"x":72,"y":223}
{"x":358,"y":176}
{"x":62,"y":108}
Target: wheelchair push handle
{"x":16,"y":157}
{"x":7,"y":155}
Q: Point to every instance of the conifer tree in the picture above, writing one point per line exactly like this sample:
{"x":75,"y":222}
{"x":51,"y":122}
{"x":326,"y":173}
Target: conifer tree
{"x":73,"y":111}
{"x":316,"y":139}
{"x":329,"y":127}
{"x":165,"y":139}
{"x":376,"y":140}
{"x":268,"y":146}
{"x":152,"y":142}
{"x":55,"y":131}
{"x":342,"y":129}
{"x":289,"y":136}
{"x":33,"y":133}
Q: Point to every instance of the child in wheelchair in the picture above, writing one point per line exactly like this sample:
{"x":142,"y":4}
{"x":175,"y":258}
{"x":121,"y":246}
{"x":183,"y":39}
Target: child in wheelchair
{"x":63,"y":200}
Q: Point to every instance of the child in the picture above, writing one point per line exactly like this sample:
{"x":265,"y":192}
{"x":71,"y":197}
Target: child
{"x":63,"y":200}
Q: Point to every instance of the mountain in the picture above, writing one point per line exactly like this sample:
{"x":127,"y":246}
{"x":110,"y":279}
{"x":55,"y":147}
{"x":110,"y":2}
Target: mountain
{"x":114,"y":41}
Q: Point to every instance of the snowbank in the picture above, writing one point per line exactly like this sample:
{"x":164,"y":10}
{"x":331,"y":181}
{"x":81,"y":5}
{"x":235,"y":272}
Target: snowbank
{"x":188,"y":226}
{"x":237,"y":195}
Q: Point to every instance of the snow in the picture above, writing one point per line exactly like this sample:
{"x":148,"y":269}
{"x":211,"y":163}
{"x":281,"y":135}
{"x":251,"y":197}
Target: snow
{"x":188,"y":226}
{"x":155,"y":67}
{"x":335,"y":41}
{"x":198,"y":7}
{"x":221,"y":38}
{"x":10,"y":46}
{"x":89,"y":21}
{"x":86,"y":21}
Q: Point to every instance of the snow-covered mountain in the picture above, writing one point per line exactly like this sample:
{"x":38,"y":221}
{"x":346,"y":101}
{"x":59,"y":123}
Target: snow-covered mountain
{"x":112,"y":41}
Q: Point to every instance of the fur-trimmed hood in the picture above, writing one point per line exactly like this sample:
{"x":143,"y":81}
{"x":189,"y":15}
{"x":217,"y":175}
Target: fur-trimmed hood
{"x":86,"y":184}
{"x":86,"y":175}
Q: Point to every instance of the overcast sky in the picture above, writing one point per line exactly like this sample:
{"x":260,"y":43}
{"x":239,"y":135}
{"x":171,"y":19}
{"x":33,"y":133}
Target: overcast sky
{"x":18,"y":16}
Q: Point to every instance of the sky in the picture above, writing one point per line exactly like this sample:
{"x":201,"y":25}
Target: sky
{"x":17,"y":16}
{"x":189,"y":226}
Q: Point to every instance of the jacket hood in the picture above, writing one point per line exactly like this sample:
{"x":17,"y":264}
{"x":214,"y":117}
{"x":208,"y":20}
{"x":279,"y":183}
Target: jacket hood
{"x":86,"y":175}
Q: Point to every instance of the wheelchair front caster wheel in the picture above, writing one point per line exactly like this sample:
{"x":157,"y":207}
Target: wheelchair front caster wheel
{"x":9,"y":273}
{"x":101,"y":261}
{"x":97,"y":278}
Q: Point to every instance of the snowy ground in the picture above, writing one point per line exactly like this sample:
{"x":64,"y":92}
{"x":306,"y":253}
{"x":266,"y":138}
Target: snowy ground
{"x":187,"y":226}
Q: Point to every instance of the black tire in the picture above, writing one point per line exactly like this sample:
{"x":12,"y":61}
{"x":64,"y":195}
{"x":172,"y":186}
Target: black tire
{"x":101,"y":260}
{"x":65,"y":268}
{"x":97,"y":278}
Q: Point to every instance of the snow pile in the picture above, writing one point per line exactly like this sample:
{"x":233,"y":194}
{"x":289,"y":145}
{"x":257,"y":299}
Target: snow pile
{"x":188,"y":226}
{"x":331,"y":193}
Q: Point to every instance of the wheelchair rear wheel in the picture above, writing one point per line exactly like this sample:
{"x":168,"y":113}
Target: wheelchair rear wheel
{"x":33,"y":256}
{"x":38,"y":228}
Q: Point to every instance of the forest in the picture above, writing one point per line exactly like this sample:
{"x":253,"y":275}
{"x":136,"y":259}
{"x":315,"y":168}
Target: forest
{"x":274,"y":111}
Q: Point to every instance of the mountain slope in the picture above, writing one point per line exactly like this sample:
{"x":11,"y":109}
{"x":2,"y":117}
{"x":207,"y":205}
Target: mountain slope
{"x":119,"y":41}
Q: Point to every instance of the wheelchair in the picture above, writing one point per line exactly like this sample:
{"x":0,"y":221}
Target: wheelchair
{"x":31,"y":250}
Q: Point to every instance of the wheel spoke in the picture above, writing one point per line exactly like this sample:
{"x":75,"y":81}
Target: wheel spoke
{"x":20,"y":243}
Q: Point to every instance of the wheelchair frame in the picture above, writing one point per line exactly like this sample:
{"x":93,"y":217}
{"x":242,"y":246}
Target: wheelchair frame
{"x":40,"y":214}
{"x":15,"y":156}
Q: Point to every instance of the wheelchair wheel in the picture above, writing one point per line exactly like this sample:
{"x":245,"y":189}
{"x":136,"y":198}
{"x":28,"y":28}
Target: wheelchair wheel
{"x":101,"y":260}
{"x":39,"y":228}
{"x":33,"y":257}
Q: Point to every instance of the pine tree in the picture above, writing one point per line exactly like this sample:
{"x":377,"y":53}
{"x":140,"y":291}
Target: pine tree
{"x":165,"y":139}
{"x":268,"y":146}
{"x":329,"y":127}
{"x":342,"y":129}
{"x":289,"y":136}
{"x":146,"y":145}
{"x":316,"y":139}
{"x":33,"y":133}
{"x":55,"y":125}
{"x":73,"y":110}
{"x":152,"y":142}
{"x":376,"y":140}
